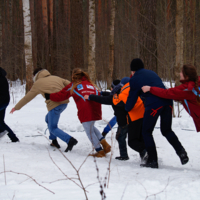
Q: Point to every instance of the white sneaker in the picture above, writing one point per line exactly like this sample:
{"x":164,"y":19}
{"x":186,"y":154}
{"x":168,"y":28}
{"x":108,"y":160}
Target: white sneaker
{"x":3,"y":134}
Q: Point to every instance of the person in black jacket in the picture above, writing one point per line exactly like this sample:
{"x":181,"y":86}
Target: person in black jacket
{"x":4,"y":101}
{"x":119,"y":112}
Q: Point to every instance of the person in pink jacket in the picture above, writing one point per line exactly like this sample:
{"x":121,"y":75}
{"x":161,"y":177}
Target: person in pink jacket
{"x":88,"y":111}
{"x":188,"y":92}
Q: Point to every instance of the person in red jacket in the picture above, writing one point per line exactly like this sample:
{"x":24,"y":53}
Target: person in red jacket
{"x":88,"y":111}
{"x":187,"y":92}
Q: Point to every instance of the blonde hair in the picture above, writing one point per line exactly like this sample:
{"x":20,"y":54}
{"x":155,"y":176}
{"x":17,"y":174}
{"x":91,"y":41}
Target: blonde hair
{"x":77,"y":75}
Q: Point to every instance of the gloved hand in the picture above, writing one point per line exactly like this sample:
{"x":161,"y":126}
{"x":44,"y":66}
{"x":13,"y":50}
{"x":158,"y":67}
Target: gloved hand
{"x":47,"y":96}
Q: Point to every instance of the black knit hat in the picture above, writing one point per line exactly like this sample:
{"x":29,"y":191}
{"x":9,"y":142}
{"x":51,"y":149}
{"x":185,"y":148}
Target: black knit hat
{"x":115,"y":82}
{"x":136,"y":64}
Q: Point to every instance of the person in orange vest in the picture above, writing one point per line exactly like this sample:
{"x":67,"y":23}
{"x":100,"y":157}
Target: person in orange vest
{"x":135,"y":119}
{"x":119,"y":112}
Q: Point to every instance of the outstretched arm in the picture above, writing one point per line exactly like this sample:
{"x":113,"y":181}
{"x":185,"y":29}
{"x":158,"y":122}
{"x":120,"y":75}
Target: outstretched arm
{"x":61,"y":95}
{"x":107,"y":100}
{"x":172,"y":93}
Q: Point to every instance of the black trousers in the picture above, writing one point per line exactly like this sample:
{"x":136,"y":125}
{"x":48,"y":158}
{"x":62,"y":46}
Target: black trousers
{"x":135,"y":139}
{"x":150,"y":119}
{"x":3,"y":125}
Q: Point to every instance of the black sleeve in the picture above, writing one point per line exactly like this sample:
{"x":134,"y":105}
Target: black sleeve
{"x":107,"y":100}
{"x":121,"y":103}
{"x":105,"y":93}
{"x":47,"y":96}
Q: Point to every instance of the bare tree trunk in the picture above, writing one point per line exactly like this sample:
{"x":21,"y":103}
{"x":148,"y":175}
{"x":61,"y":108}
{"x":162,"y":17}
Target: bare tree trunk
{"x":51,"y":12}
{"x":45,"y":33}
{"x":34,"y":35}
{"x":76,"y":35}
{"x":111,"y":45}
{"x":179,"y":39}
{"x":28,"y":45}
{"x":92,"y":41}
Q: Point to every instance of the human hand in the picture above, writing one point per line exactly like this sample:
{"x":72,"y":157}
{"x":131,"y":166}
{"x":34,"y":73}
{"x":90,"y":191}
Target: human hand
{"x":146,"y":89}
{"x":86,"y":97}
{"x":12,"y":111}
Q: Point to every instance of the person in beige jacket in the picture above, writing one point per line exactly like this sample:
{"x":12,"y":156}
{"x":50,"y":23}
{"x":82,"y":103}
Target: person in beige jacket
{"x":44,"y":82}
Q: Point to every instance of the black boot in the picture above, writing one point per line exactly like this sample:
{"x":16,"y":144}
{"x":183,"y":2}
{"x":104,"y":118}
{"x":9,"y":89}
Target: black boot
{"x":122,"y":158}
{"x":144,"y":156}
{"x":71,"y":143}
{"x":183,"y":156}
{"x":13,"y":138}
{"x":151,"y":164}
{"x":55,"y":144}
{"x":104,"y":134}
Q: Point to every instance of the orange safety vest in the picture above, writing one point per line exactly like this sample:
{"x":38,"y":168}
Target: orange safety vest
{"x":137,"y":111}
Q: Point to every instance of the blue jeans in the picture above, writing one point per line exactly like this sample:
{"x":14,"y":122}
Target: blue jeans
{"x":52,"y":119}
{"x":3,"y":125}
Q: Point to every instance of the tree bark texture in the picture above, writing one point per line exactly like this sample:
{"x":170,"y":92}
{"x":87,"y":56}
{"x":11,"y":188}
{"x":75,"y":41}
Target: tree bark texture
{"x":179,"y":40}
{"x":28,"y":45}
{"x":92,"y":41}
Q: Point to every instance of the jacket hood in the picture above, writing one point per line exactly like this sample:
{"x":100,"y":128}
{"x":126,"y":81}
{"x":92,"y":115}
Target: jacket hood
{"x":2,"y":72}
{"x":41,"y":74}
{"x":190,"y":84}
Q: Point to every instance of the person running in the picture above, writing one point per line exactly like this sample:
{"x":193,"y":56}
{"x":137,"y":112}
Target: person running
{"x":4,"y":101}
{"x":187,"y":92}
{"x":119,"y":112}
{"x":154,"y":107}
{"x":135,"y":119}
{"x":44,"y":82}
{"x":88,"y":111}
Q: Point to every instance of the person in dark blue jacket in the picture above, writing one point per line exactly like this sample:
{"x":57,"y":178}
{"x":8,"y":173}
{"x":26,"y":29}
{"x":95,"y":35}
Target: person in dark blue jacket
{"x":154,"y":107}
{"x":4,"y":101}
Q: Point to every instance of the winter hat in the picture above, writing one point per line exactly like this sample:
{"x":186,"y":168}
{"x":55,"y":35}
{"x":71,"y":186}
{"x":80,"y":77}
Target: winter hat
{"x":136,"y":64}
{"x":125,"y":80}
{"x":115,"y":83}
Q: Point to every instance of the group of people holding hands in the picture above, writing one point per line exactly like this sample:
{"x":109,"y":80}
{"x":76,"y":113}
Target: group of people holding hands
{"x":137,"y":103}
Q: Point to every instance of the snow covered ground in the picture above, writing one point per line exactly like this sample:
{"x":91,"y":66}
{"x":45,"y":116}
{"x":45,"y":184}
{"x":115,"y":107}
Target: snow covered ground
{"x":36,"y":171}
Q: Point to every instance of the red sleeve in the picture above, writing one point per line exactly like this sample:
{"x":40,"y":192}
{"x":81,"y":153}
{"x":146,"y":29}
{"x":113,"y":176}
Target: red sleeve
{"x":62,"y":94}
{"x":172,"y":93}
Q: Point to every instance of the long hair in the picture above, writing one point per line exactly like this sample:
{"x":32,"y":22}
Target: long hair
{"x":77,"y":75}
{"x":190,"y":73}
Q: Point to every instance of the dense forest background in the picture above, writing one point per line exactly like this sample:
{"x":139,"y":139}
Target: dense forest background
{"x":165,"y":34}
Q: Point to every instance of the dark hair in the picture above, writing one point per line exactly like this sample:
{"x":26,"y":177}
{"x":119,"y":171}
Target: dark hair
{"x":37,"y":70}
{"x":115,"y":82}
{"x":190,"y":73}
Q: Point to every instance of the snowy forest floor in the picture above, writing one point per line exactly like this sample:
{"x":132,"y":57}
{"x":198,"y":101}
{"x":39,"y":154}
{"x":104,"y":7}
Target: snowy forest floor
{"x":33,"y":170}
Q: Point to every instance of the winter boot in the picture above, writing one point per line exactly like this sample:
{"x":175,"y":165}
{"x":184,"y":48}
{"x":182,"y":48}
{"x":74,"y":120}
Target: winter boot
{"x":71,"y":143}
{"x":106,"y":146}
{"x":183,"y":156}
{"x":98,"y":154}
{"x":104,"y":134}
{"x":15,"y":140}
{"x":122,"y":158}
{"x":3,"y":133}
{"x":144,"y":156}
{"x":55,"y":144}
{"x":151,"y":164}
